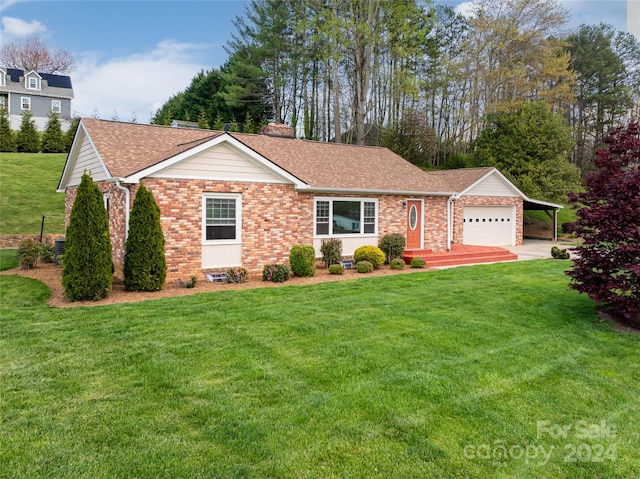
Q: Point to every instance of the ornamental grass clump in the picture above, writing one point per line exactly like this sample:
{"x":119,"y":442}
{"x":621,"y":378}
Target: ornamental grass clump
{"x":372,"y":254}
{"x":303,"y":260}
{"x":331,"y":250}
{"x":28,"y":253}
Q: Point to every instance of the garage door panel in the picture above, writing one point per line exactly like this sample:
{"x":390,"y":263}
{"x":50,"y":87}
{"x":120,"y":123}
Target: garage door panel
{"x":489,"y":225}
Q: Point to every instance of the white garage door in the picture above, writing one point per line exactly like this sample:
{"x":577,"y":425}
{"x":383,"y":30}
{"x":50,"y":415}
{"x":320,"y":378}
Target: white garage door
{"x":489,"y":225}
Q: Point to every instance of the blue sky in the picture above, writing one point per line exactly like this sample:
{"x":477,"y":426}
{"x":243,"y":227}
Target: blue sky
{"x":132,"y":55}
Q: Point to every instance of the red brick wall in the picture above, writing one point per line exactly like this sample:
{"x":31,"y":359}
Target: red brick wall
{"x":458,"y":212}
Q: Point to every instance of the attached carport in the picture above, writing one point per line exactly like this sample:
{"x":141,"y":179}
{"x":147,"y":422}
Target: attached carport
{"x":550,"y":209}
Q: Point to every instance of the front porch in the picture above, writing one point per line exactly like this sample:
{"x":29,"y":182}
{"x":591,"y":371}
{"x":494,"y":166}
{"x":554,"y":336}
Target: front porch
{"x":459,"y":255}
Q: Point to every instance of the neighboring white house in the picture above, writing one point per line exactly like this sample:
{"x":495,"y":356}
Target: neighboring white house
{"x":36,"y":92}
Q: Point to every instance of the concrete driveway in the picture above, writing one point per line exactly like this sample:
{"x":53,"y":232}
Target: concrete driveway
{"x":536,"y":249}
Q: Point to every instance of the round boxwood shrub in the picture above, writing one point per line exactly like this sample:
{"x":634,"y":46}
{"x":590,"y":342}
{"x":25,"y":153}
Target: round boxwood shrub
{"x":418,"y":263}
{"x":278,"y":273}
{"x":336,"y":269}
{"x":364,"y":266}
{"x":393,"y":246}
{"x":397,"y":263}
{"x":372,"y":254}
{"x":302,"y":260}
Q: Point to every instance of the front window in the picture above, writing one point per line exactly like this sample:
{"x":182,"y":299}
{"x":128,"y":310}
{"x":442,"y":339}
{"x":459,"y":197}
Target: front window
{"x":222,"y":218}
{"x":56,"y":106}
{"x":345,"y":216}
{"x":26,"y":103}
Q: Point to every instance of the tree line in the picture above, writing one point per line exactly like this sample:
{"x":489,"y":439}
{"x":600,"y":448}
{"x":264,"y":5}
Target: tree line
{"x":28,"y":140}
{"x":389,"y":71}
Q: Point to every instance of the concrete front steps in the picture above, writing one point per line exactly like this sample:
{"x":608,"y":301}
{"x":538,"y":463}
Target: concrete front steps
{"x":459,"y":255}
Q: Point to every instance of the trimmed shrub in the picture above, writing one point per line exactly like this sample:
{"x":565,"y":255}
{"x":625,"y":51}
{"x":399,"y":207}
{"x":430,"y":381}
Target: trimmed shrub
{"x":28,"y":253}
{"x":364,"y":266}
{"x":418,"y":263}
{"x":237,"y":275}
{"x":558,"y":253}
{"x":336,"y":269}
{"x":372,"y":254}
{"x":278,"y":273}
{"x":397,"y":263}
{"x":331,"y":250}
{"x":303,"y":260}
{"x":88,"y":268}
{"x":46,"y":253}
{"x":145,"y":266}
{"x":393,"y":246}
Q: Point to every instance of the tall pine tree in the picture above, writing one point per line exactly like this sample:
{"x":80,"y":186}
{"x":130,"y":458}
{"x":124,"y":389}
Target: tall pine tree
{"x":28,"y":141}
{"x":53,"y":139}
{"x":7,"y":137}
{"x":88,"y":268}
{"x":145,"y":266}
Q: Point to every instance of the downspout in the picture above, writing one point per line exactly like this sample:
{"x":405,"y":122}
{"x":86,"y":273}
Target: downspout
{"x":127,"y":195}
{"x":450,"y":221}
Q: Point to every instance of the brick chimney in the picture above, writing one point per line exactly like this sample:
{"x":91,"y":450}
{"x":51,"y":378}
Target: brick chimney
{"x":278,"y":129}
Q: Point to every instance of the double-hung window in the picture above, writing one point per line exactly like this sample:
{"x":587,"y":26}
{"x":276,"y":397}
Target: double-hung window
{"x":345,"y":216}
{"x":26,"y":103}
{"x":222,"y":218}
{"x":56,"y":106}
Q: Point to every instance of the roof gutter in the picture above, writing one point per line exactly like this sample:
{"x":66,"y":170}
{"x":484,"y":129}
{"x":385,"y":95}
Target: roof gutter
{"x":363,"y":191}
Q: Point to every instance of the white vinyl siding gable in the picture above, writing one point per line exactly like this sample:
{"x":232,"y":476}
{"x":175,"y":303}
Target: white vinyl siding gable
{"x":492,"y":185}
{"x":221,"y":162}
{"x":89,"y":161}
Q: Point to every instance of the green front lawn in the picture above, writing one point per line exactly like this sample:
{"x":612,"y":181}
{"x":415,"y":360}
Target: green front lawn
{"x":28,"y":191}
{"x":417,"y":375}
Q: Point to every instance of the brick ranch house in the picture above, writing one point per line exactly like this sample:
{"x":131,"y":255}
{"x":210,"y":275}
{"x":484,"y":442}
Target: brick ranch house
{"x":233,"y":199}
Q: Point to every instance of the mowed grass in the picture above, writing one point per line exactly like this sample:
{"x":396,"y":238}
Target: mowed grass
{"x":408,"y":376}
{"x":8,"y":259}
{"x":28,"y":183}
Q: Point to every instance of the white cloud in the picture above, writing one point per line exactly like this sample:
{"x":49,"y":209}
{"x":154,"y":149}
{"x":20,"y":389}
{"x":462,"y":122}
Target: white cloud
{"x":17,"y":28}
{"x":139,"y":83}
{"x":466,"y":9}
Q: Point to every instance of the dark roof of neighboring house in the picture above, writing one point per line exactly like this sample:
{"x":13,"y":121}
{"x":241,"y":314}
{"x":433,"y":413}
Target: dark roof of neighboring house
{"x":128,"y":148}
{"x":57,"y":81}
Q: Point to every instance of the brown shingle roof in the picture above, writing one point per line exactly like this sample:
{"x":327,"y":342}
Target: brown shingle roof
{"x":130,"y":147}
{"x":127,"y":148}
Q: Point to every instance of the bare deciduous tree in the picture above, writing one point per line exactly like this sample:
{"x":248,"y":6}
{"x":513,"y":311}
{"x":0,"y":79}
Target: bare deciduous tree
{"x":34,"y":54}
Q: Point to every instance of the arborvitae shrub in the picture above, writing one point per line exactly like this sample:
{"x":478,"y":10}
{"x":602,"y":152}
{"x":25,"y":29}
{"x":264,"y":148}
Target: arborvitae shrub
{"x":28,"y":140}
{"x":7,"y":136}
{"x":372,"y":254}
{"x":28,"y":253}
{"x":278,"y":273}
{"x":145,"y":266}
{"x":302,"y":260}
{"x":331,"y":250}
{"x":53,"y":140}
{"x":397,"y":263}
{"x":336,"y":269}
{"x":364,"y":266}
{"x":88,"y":268}
{"x":418,"y":263}
{"x":393,"y":246}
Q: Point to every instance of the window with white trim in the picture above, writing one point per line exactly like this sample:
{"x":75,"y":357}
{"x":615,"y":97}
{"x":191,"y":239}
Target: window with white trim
{"x":56,"y":106}
{"x":3,"y":79}
{"x":222,"y":217}
{"x":26,"y":103}
{"x":345,"y":216}
{"x":32,"y":83}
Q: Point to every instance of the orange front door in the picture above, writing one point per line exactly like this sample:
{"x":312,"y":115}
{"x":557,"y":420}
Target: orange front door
{"x":414,"y":224}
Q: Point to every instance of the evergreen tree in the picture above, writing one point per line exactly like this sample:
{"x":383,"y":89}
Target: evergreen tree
{"x":71,"y":133}
{"x":145,"y":266}
{"x":28,"y":141}
{"x":7,"y":137}
{"x":53,"y":139}
{"x":88,"y":268}
{"x":218,"y":124}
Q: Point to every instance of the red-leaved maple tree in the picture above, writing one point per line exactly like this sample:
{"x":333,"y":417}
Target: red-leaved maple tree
{"x":608,"y":264}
